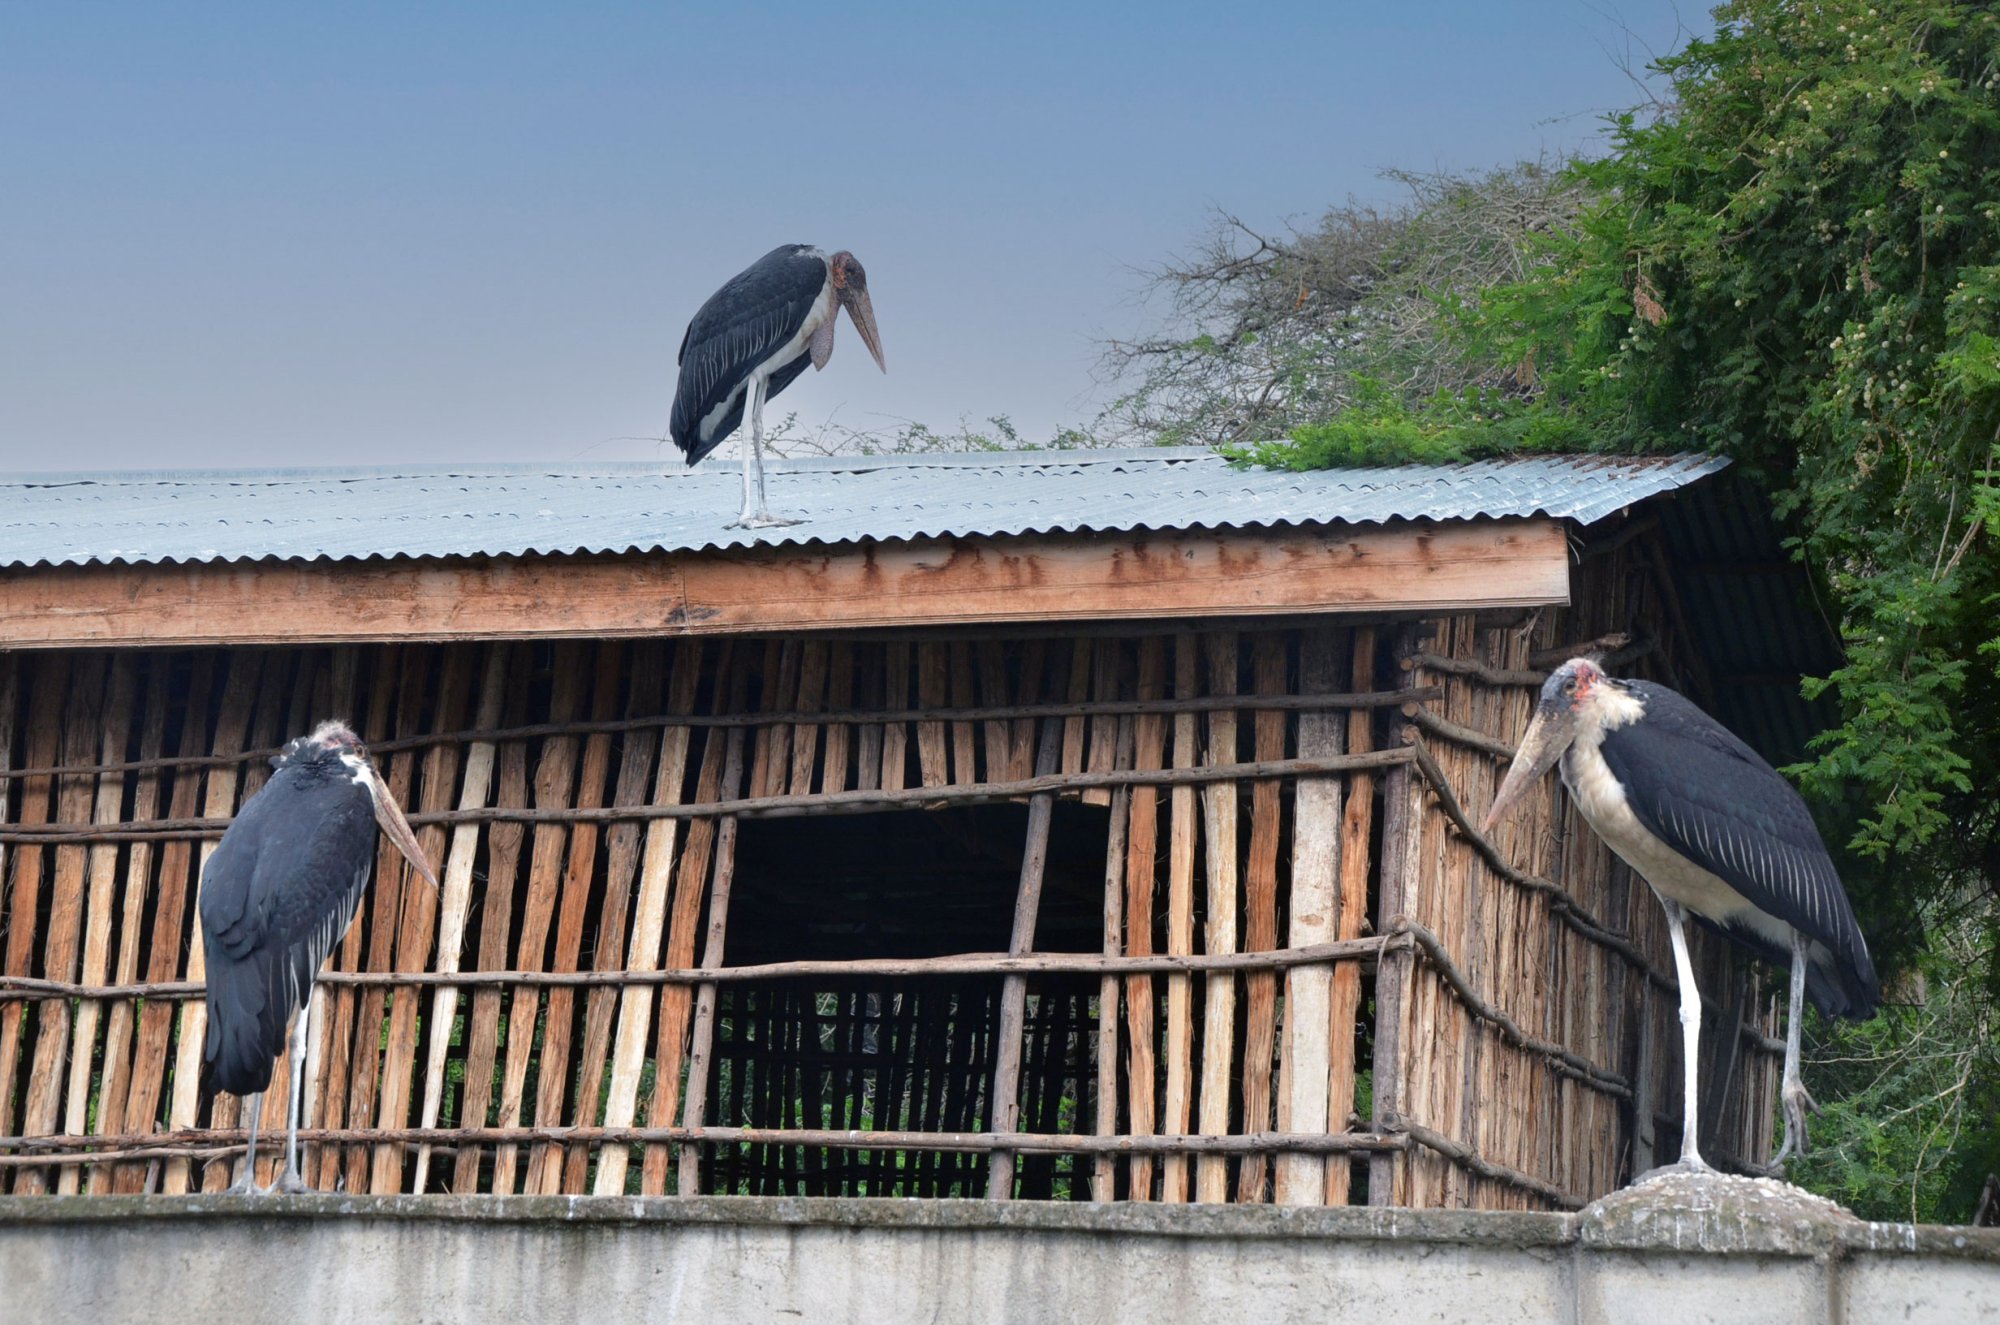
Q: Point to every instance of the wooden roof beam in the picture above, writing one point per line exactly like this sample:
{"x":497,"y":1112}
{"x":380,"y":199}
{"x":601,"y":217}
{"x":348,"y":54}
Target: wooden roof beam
{"x":1060,"y":577}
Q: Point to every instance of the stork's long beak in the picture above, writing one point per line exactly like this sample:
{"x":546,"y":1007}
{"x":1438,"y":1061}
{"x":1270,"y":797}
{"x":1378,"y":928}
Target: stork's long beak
{"x":390,"y":816}
{"x":1548,"y":735}
{"x":862,"y":312}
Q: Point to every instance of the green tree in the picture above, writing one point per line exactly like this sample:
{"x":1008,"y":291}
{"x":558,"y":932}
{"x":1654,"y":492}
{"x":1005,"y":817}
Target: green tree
{"x":1795,"y":260}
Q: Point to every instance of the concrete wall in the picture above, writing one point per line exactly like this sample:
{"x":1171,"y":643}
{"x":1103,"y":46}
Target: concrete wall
{"x":302,"y":1260}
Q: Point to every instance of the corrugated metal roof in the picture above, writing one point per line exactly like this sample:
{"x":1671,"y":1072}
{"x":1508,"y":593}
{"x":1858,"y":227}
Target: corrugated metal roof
{"x":517,"y":509}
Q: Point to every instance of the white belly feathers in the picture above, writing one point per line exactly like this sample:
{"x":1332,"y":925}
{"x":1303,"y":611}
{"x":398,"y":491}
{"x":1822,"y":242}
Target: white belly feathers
{"x":1602,"y":800}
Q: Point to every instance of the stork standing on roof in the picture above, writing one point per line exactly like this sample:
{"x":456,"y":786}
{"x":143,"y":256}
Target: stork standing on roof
{"x":751,"y":339}
{"x":1717,"y":832}
{"x":280,"y":889}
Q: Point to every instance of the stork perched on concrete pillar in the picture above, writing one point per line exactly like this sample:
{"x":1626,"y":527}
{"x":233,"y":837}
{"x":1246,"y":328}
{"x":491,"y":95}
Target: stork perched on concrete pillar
{"x":750,"y":340}
{"x":1716,"y":831}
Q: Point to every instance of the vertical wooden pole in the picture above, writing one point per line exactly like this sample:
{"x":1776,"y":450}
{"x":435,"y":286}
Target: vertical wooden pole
{"x":711,"y":959}
{"x":555,"y":781}
{"x":1218,"y":1057}
{"x":1351,"y":912}
{"x":24,"y":899}
{"x":1141,"y":854}
{"x":496,"y":918}
{"x":546,"y":1161}
{"x":691,"y":888}
{"x":1388,"y":1171}
{"x":649,"y":919}
{"x":114,"y":1093}
{"x":1006,"y":1094}
{"x":636,"y":770}
{"x":1316,"y":873}
{"x":1104,"y":1172}
{"x":456,"y":899}
{"x":118,"y":717}
{"x":1260,"y":934}
{"x":169,"y":928}
{"x":81,"y":740}
{"x":1180,"y":925}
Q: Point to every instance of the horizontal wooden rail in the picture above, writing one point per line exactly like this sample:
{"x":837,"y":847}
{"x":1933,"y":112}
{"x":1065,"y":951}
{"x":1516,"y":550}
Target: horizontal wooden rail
{"x":27,"y":989}
{"x":1470,"y":1160}
{"x":191,"y":1142}
{"x":1574,"y":1066}
{"x":843,"y":802}
{"x":812,"y":717}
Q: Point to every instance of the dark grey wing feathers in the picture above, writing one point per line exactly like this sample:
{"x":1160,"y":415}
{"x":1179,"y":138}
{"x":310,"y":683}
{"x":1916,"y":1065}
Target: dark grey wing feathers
{"x":740,"y":327}
{"x":1709,"y":796}
{"x":278,"y":892}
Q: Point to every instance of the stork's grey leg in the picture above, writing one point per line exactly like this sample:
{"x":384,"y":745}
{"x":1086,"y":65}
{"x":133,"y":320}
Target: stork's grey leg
{"x":1690,"y":1036}
{"x":746,"y":439}
{"x":1793,"y":1092}
{"x":291,"y":1180}
{"x":753,"y":458}
{"x":246,"y":1183}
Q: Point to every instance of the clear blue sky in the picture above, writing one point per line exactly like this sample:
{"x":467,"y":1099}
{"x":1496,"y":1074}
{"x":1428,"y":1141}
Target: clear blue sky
{"x":288,"y":234}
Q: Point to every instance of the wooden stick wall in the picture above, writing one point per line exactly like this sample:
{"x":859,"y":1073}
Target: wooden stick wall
{"x":560,"y":790}
{"x":1573,"y":946}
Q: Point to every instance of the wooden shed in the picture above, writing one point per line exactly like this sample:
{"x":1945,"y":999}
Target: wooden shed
{"x":1070,"y":826}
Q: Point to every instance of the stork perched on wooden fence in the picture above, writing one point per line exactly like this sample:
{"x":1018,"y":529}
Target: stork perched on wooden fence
{"x":1716,"y":831}
{"x":751,"y":339}
{"x":280,"y":890}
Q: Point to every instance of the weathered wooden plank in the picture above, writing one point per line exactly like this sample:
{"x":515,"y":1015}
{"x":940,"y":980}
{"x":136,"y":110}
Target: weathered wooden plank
{"x":100,"y":909}
{"x":497,"y":904}
{"x":636,"y":768}
{"x":1104,"y":1170}
{"x":546,"y":1162}
{"x":82,"y":719}
{"x":1141,"y":854}
{"x":1315,"y":906}
{"x":1027,"y":579}
{"x":964,"y":767}
{"x":649,"y":917}
{"x":417,"y":928}
{"x":689,"y":1176}
{"x":691,"y":889}
{"x":1260,"y":934}
{"x":1351,"y":911}
{"x":555,"y":782}
{"x":24,"y":899}
{"x":1218,"y":1058}
{"x":1176,"y":1110}
{"x":1402,"y":817}
{"x":933,"y":685}
{"x":119,"y":1025}
{"x":400,"y":697}
{"x":169,"y":928}
{"x":455,"y":900}
{"x":1014,"y":988}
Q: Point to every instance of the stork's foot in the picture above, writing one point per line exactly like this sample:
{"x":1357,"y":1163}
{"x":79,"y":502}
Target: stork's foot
{"x":760,"y":520}
{"x":245,"y":1185}
{"x":1688,"y":1163}
{"x":1797,"y":1104}
{"x":290,"y":1183}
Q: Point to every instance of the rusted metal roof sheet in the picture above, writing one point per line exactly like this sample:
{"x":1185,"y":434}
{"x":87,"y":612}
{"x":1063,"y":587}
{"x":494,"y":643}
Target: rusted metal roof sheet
{"x":141,"y":518}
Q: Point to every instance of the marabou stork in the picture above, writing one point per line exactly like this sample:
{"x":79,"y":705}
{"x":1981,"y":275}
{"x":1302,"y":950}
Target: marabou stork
{"x":280,"y":889}
{"x":1716,"y":831}
{"x":750,"y":340}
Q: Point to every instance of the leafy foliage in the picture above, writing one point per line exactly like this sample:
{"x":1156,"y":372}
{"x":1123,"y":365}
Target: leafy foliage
{"x":1273,"y":332}
{"x":1796,"y":262}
